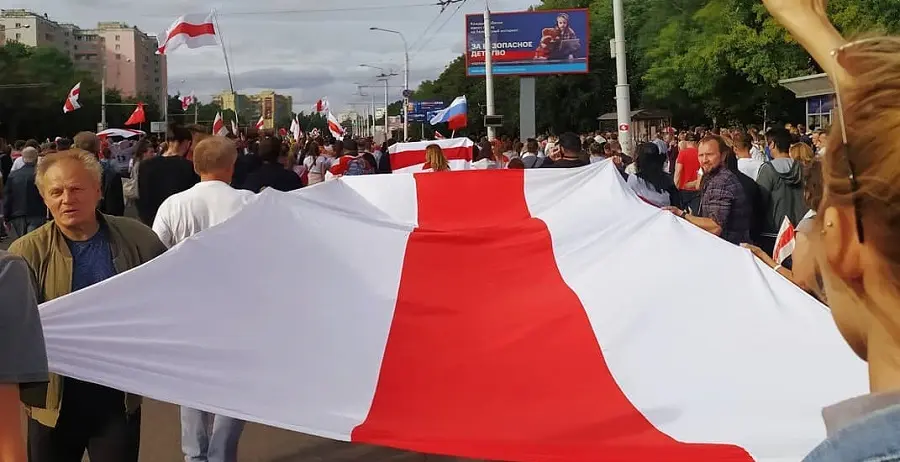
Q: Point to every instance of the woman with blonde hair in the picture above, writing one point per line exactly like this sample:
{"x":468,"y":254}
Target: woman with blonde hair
{"x":803,"y":154}
{"x":855,"y":240}
{"x":435,"y":160}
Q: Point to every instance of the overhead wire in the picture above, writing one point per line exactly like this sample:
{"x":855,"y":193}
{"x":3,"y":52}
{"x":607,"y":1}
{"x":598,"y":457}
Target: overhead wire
{"x":439,"y":29}
{"x":334,"y":9}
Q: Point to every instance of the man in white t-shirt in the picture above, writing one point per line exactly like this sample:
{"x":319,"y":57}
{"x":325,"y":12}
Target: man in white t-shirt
{"x":747,"y":164}
{"x":206,"y":204}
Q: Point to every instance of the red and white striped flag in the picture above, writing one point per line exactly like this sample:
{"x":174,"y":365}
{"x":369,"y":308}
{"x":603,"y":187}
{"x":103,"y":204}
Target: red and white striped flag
{"x":581,"y":363}
{"x":190,"y":30}
{"x":260,"y":123}
{"x":439,"y":136}
{"x":335,"y":127}
{"x":321,"y":106}
{"x":219,"y":125}
{"x":784,"y":244}
{"x":410,"y":157}
{"x":71,"y":103}
{"x":187,"y":101}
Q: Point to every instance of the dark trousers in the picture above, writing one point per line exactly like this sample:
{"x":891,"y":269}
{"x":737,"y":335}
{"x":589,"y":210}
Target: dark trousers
{"x":25,"y":225}
{"x":92,"y":418}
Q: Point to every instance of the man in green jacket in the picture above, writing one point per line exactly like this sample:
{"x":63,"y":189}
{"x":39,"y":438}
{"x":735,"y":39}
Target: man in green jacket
{"x":78,"y":248}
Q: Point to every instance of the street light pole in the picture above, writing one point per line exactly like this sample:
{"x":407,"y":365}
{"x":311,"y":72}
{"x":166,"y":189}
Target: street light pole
{"x":405,"y":79}
{"x":489,"y":70}
{"x":623,"y":91}
{"x":103,"y":91}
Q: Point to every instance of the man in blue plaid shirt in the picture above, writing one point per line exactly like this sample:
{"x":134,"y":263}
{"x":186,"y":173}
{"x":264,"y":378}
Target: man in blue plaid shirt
{"x":724,"y":209}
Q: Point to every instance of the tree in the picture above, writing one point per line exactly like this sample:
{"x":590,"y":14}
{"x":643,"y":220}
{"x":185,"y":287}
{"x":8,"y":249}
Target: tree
{"x":704,"y":60}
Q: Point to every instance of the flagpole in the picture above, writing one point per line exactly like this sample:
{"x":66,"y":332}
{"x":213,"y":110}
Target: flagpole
{"x":227,"y":65}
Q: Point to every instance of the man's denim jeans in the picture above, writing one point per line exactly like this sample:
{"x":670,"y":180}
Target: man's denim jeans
{"x":199,"y":445}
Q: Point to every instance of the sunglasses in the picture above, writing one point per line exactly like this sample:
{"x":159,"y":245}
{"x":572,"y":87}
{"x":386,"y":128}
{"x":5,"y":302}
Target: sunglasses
{"x":837,"y":54}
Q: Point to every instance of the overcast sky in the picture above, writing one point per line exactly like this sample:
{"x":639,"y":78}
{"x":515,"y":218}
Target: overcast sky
{"x":308,"y":55}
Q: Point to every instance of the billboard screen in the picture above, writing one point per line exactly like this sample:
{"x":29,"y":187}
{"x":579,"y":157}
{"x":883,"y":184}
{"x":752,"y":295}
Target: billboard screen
{"x":530,"y":42}
{"x":423,"y":111}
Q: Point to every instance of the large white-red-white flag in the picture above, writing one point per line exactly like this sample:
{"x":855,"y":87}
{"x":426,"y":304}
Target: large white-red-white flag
{"x":335,"y":127}
{"x":410,"y":157}
{"x":71,"y":103}
{"x":430,"y":351}
{"x":219,"y":125}
{"x":784,"y":244}
{"x":190,"y":30}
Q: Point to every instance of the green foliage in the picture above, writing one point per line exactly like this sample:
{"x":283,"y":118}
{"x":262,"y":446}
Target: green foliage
{"x":707,"y":61}
{"x":36,"y":111}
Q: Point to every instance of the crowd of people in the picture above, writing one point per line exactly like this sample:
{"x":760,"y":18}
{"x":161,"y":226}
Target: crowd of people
{"x":841,"y":191}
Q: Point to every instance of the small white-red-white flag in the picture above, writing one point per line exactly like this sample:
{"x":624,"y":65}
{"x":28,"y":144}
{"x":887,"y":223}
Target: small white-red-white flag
{"x":784,"y":245}
{"x":335,"y":127}
{"x":439,"y":136}
{"x":261,"y":123}
{"x":219,"y":125}
{"x":296,"y":129}
{"x":234,"y":128}
{"x":187,"y":101}
{"x":72,"y":99}
{"x":190,"y":30}
{"x":321,"y":106}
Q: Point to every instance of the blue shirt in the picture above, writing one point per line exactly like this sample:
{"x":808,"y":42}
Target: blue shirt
{"x":91,"y":260}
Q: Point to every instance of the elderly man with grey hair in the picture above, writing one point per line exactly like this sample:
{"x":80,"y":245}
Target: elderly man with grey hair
{"x":23,"y":207}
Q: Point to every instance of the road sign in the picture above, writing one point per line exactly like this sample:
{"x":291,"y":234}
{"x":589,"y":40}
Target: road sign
{"x":624,"y":127}
{"x":157,"y":127}
{"x":407,"y":93}
{"x":493,"y":121}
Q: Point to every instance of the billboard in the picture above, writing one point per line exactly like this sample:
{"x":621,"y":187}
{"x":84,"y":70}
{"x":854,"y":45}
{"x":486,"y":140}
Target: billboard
{"x":530,"y":42}
{"x":423,"y":111}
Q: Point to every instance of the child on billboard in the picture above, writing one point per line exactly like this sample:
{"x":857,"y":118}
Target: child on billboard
{"x":559,"y":42}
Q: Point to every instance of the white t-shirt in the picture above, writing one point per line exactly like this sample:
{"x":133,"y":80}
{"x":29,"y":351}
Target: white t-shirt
{"x":750,"y":167}
{"x":757,"y":154}
{"x":205,"y":205}
{"x":316,"y":171}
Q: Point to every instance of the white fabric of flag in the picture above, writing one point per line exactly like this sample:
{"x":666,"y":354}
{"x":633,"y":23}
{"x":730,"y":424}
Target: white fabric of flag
{"x":624,"y":333}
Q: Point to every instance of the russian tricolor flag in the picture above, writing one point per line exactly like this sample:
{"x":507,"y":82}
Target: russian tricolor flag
{"x":456,"y":115}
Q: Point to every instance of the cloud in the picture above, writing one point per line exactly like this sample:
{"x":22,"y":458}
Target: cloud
{"x":307,"y":54}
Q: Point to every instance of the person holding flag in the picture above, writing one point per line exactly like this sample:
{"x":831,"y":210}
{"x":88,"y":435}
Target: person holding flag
{"x":794,"y":243}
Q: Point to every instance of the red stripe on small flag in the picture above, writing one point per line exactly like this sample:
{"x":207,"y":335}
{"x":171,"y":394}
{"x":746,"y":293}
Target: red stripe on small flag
{"x":405,"y":159}
{"x":503,"y":368}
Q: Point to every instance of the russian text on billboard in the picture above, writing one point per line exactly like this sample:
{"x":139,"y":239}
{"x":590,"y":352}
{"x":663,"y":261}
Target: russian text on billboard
{"x":530,"y":42}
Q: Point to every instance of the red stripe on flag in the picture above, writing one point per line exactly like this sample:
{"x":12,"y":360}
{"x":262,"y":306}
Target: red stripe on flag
{"x":191,"y":30}
{"x":504,"y":368}
{"x":405,"y":159}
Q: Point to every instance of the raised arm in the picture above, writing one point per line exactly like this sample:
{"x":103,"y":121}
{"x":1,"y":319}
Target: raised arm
{"x":808,"y":23}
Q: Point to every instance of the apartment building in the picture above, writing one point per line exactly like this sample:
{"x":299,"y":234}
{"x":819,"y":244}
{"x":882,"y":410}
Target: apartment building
{"x":267,"y":103}
{"x":124,"y":54}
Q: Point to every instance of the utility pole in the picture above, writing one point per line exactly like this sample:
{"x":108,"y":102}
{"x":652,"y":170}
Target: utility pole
{"x":405,"y":79}
{"x":386,"y":77}
{"x":623,"y":90}
{"x":489,"y":69}
{"x":103,"y":93}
